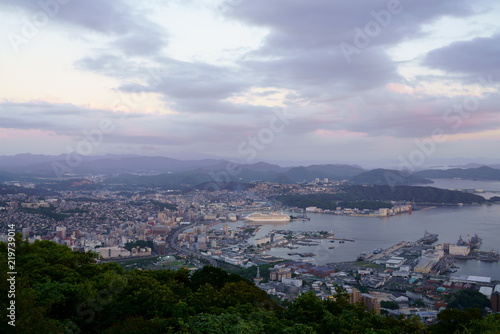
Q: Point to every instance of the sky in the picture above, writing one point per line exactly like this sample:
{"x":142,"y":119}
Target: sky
{"x":252,"y":80}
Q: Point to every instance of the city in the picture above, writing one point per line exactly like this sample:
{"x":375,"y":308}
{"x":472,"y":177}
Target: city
{"x":154,"y":228}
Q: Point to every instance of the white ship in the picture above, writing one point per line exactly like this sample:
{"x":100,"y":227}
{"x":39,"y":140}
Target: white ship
{"x":267,"y":217}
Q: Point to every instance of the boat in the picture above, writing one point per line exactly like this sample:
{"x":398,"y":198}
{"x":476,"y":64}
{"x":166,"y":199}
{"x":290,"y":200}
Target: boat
{"x":306,"y":254}
{"x":264,"y":217}
{"x":293,"y":253}
{"x":331,"y":247}
{"x":428,"y":238}
{"x":473,"y":243}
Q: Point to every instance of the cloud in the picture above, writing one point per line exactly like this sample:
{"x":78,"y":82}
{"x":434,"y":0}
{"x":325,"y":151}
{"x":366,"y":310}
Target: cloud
{"x":302,"y":50}
{"x":480,"y":56}
{"x":132,"y":31}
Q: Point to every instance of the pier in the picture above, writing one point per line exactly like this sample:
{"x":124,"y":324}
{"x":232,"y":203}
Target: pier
{"x":342,"y":239}
{"x":373,"y":257}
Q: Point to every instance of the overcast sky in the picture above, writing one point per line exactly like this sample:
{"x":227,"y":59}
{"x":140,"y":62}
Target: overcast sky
{"x":252,"y":80}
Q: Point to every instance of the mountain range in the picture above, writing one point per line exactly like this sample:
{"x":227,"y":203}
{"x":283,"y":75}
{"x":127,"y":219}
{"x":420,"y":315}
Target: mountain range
{"x":146,"y":170}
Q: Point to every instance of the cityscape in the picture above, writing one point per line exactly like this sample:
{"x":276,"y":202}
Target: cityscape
{"x":249,"y":166}
{"x":151,"y":228}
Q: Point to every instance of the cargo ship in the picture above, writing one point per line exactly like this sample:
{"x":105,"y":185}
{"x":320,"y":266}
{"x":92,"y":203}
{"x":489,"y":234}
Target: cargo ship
{"x":474,"y":242}
{"x":267,"y":217}
{"x":428,"y":238}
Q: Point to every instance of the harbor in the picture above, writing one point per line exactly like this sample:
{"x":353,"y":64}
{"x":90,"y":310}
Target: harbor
{"x":448,"y":222}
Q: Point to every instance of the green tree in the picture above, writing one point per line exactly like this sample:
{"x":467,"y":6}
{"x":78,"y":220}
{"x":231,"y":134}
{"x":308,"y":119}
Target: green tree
{"x":389,"y":304}
{"x":455,"y":321}
{"x":468,"y":299}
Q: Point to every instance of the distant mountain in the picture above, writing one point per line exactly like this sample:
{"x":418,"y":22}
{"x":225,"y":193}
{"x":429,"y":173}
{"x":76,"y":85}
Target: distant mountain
{"x":481,"y":173}
{"x":337,"y":171}
{"x":265,"y":167}
{"x":387,"y":177}
{"x":169,"y":171}
{"x":23,"y":160}
{"x":309,"y":173}
{"x":109,"y":164}
{"x":227,"y":173}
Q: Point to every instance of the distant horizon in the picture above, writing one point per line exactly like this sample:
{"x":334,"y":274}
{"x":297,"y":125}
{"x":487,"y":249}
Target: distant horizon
{"x":366,"y":164}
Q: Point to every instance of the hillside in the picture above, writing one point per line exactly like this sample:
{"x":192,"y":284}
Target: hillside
{"x":375,"y":197}
{"x":61,"y":291}
{"x":387,"y":177}
{"x":480,"y":173}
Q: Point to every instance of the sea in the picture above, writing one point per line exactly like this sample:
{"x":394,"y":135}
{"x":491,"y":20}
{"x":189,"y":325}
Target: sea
{"x":372,"y":233}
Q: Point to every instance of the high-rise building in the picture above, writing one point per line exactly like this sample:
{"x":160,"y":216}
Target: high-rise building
{"x":354,"y":295}
{"x":371,"y":302}
{"x":495,"y":299}
{"x":160,"y":247}
{"x":61,"y":232}
{"x":162,"y":217}
{"x":26,"y":232}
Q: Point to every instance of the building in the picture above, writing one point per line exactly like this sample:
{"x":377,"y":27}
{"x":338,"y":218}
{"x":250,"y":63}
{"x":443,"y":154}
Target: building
{"x":495,"y":299}
{"x":354,"y":295}
{"x":395,"y":262}
{"x":487,"y":291}
{"x":160,"y":230}
{"x":160,"y":247}
{"x":372,"y":303}
{"x":262,"y":241}
{"x":425,"y":265}
{"x":107,"y":252}
{"x":277,"y":274}
{"x":459,"y":250}
{"x":61,"y":232}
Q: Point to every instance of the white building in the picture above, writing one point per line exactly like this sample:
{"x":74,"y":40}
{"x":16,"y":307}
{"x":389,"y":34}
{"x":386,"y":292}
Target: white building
{"x":395,"y":262}
{"x":459,"y":250}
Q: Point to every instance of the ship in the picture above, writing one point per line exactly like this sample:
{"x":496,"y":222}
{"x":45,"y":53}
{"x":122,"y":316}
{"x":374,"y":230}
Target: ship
{"x":473,"y":242}
{"x":307,"y":254}
{"x":428,"y":238}
{"x":267,"y":217}
{"x":491,"y":256}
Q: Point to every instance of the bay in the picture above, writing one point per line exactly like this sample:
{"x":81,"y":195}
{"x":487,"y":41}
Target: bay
{"x":487,"y":189}
{"x":372,"y":233}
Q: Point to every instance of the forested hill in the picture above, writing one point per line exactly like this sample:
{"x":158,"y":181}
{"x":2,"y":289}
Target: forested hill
{"x":60,"y":291}
{"x":374,"y":197}
{"x":480,"y":173}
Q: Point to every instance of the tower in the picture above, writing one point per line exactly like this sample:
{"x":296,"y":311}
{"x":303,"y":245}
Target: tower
{"x":257,"y":278}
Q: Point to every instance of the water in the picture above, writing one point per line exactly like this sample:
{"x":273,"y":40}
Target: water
{"x":372,"y":233}
{"x":489,"y":188}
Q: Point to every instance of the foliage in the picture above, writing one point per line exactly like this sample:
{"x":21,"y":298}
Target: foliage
{"x":139,"y":243}
{"x":456,"y":321}
{"x":468,"y":299}
{"x":370,"y":205}
{"x":389,"y":304}
{"x":375,"y":197}
{"x":162,"y":205}
{"x":46,"y":211}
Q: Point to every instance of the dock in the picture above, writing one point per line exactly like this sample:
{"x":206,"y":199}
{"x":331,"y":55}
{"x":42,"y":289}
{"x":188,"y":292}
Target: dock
{"x":341,"y":239}
{"x":386,"y":252}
